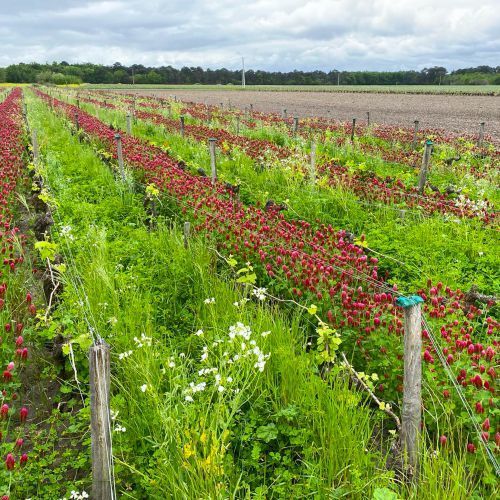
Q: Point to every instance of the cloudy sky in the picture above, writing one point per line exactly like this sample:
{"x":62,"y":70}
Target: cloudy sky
{"x":270,"y":34}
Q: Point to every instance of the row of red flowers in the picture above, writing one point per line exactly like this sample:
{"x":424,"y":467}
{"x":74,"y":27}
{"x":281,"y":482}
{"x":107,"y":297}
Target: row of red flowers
{"x":385,"y":190}
{"x":16,"y":306}
{"x":316,"y":263}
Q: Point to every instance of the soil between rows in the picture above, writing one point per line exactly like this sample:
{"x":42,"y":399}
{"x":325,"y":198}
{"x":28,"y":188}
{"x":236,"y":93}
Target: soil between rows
{"x":454,"y":113}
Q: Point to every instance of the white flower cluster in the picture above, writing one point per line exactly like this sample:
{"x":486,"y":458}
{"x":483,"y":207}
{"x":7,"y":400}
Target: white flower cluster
{"x":239,"y":330}
{"x":75,"y":495}
{"x":66,"y":231}
{"x":210,"y":300}
{"x":260,"y":293}
{"x":465,"y":203}
{"x":124,"y":355}
{"x":143,"y":341}
{"x":241,"y":303}
{"x":240,"y":346}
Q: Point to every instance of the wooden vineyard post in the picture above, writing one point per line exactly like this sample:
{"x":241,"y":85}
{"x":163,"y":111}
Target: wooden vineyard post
{"x":425,"y":167}
{"x":213,"y":164}
{"x":77,"y":123}
{"x":295,"y":125}
{"x":284,"y":114}
{"x":412,"y":381}
{"x":415,"y":132}
{"x":312,"y":171}
{"x":353,"y":128}
{"x":481,"y":135}
{"x":100,"y":422}
{"x":119,"y":152}
{"x":129,"y":124}
{"x":237,"y":124}
{"x":251,"y":108}
{"x":368,"y":118}
{"x":187,"y":230}
{"x":182,"y":125}
{"x":34,"y":142}
{"x":25,"y":116}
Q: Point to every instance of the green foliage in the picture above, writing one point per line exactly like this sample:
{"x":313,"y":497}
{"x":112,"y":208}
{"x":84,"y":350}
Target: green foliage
{"x":279,"y":432}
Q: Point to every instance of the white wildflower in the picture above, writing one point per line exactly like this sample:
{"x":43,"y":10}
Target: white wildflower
{"x":260,"y":293}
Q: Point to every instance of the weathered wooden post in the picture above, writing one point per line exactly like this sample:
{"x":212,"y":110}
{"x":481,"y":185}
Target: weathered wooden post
{"x":481,"y":135}
{"x":221,"y":105}
{"x":251,"y":108}
{"x":415,"y":133}
{"x":412,"y":381}
{"x":237,"y":124}
{"x":368,"y":118}
{"x":312,"y":168}
{"x":284,"y":114}
{"x":425,"y":167}
{"x":187,"y":230}
{"x":78,"y":103}
{"x":77,"y":123}
{"x":213,"y":164}
{"x":34,"y":142}
{"x":119,"y":152}
{"x":100,"y":421}
{"x":182,"y":125}
{"x":353,"y":128}
{"x":25,"y":112}
{"x":129,"y":124}
{"x":295,"y":125}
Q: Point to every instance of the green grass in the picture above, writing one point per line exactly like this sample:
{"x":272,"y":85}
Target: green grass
{"x":286,"y":434}
{"x":273,"y":439}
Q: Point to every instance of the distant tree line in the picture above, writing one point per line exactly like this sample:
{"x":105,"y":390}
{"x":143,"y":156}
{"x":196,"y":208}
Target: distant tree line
{"x":65,"y":73}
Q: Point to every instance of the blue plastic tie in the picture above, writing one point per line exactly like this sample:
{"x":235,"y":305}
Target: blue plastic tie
{"x":412,"y":300}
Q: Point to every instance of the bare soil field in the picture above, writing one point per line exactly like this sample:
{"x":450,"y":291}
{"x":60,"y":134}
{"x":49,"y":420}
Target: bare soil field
{"x":451,"y":112}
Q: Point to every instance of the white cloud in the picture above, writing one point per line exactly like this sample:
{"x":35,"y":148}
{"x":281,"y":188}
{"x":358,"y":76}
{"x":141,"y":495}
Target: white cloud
{"x":280,"y":35}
